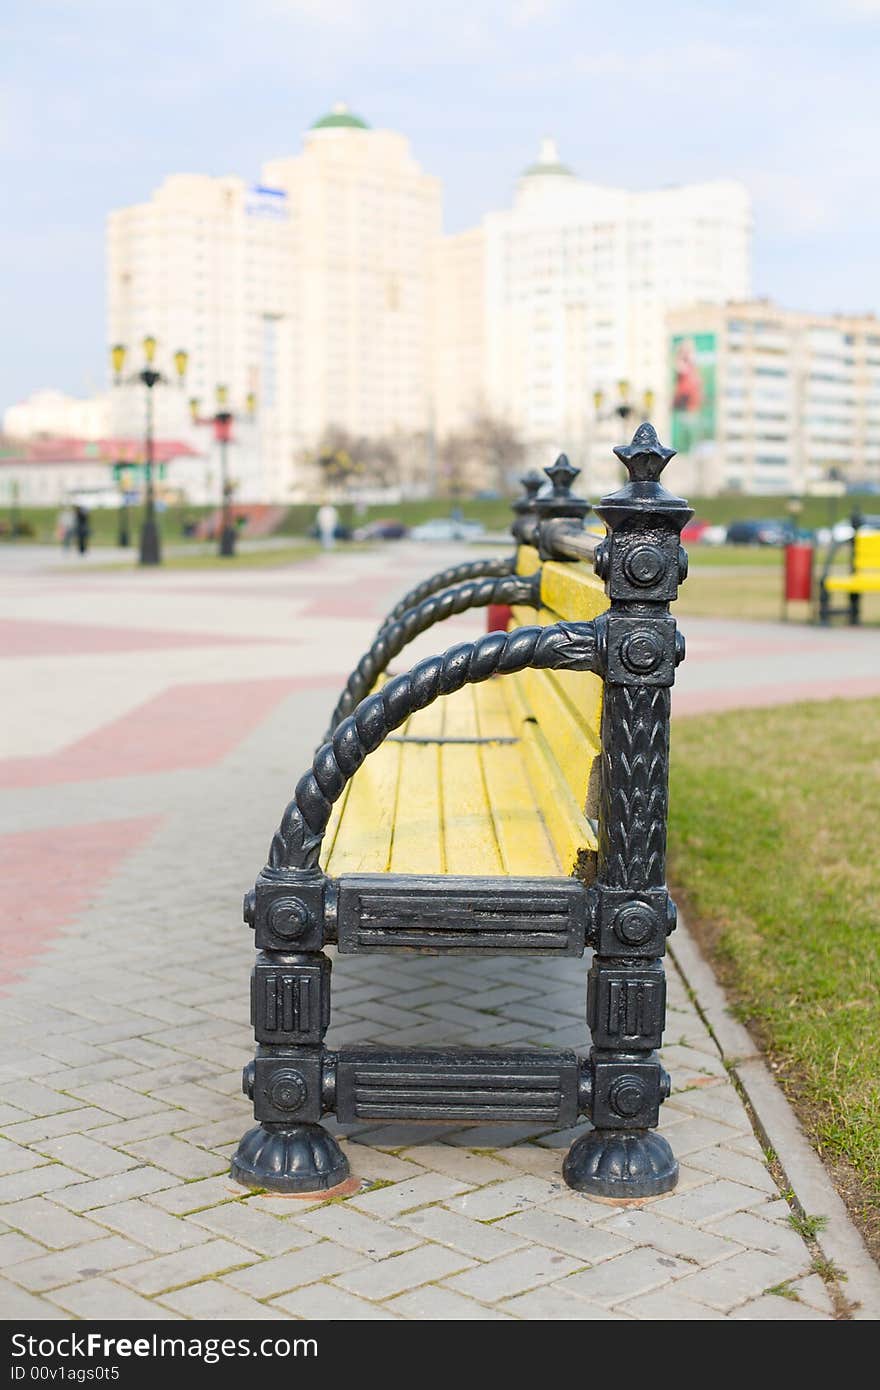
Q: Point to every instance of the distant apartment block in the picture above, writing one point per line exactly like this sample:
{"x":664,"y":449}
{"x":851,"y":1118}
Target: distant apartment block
{"x":770,"y":400}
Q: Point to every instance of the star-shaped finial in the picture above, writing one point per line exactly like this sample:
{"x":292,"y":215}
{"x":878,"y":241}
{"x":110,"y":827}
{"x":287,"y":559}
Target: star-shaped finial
{"x":562,"y":475}
{"x":532,"y":482}
{"x":646,"y":457}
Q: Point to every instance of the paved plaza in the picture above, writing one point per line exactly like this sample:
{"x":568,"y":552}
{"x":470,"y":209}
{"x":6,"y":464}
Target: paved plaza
{"x":155,"y":725}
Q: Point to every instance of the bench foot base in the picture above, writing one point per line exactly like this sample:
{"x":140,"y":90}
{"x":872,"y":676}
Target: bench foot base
{"x":289,"y":1158}
{"x":621,"y":1163}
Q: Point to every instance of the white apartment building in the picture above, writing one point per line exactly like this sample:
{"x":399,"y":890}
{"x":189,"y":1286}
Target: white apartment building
{"x":53,"y":414}
{"x":310,"y":288}
{"x":565,"y":293}
{"x":771,"y":400}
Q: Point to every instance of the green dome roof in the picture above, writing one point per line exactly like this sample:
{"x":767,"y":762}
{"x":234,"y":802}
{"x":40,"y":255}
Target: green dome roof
{"x":548,"y":162}
{"x":340,"y":116}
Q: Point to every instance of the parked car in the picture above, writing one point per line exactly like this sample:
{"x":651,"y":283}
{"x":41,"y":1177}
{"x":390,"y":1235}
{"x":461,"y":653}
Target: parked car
{"x":763,"y":530}
{"x":843,"y":531}
{"x":695,"y":531}
{"x":447,"y":528}
{"x":340,"y":533}
{"x":383,"y":528}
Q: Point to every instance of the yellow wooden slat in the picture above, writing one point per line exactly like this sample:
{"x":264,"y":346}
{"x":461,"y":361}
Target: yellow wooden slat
{"x":469,"y":833}
{"x":364,"y":842}
{"x":867,"y":552}
{"x":574,"y":741}
{"x":573,"y":591}
{"x":493,"y":716}
{"x":461,"y":714}
{"x":864,"y":583}
{"x":417,"y":847}
{"x":427,"y":722}
{"x":527,"y":560}
{"x":581,"y":689}
{"x":572,"y":835}
{"x":523,"y":838}
{"x":333,"y":827}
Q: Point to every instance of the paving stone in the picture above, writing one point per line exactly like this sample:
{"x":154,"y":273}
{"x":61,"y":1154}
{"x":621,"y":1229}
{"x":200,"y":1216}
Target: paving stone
{"x":406,"y":1196}
{"x":87,"y":1155}
{"x":15,"y":1159}
{"x":82,"y":1262}
{"x":35,"y":1099}
{"x":103,"y":1192}
{"x":636,"y":1272}
{"x":553,"y":1303}
{"x":747,"y":1227}
{"x":482,"y":1241}
{"x":513,"y":1274}
{"x":505,"y":1198}
{"x":14,"y":1247}
{"x":184,"y":1266}
{"x":342,"y":1223}
{"x":771,"y":1308}
{"x":50,"y":1224}
{"x":119,"y":1100}
{"x":183,"y":1198}
{"x":256,"y":1230}
{"x":667,"y":1305}
{"x":472,"y":1168}
{"x":327,"y":1302}
{"x":94,"y":1298}
{"x":51,"y":1126}
{"x":216,"y":1300}
{"x":433,"y":1303}
{"x":424,"y":1265}
{"x":646,"y":1227}
{"x":285,"y":1272}
{"x":585,"y":1243}
{"x":145,"y":1223}
{"x":709,"y":1203}
{"x":125,"y":1132}
{"x":744,"y":1276}
{"x":177,"y":1157}
{"x":727,"y":1163}
{"x":813,"y":1291}
{"x":20,"y":1306}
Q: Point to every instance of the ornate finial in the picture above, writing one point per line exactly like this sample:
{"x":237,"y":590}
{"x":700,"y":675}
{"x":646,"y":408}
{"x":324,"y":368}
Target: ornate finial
{"x":532,"y":482}
{"x":646,"y":457}
{"x":562,"y":475}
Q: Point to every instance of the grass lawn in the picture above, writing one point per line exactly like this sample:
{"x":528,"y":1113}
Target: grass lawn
{"x":773,"y":852}
{"x":746,"y":582}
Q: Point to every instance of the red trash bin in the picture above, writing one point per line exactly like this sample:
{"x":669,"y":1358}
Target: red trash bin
{"x":498,"y":617}
{"x":798,"y":571}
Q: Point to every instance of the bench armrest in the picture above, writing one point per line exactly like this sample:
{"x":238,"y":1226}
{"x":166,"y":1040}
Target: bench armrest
{"x":510,"y":589}
{"x":297,"y":843}
{"x":495,"y":566}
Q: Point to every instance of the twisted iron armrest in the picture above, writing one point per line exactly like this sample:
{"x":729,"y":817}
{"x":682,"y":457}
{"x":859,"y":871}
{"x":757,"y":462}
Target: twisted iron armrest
{"x":496,"y":567}
{"x":394,"y":636}
{"x":561,"y":646}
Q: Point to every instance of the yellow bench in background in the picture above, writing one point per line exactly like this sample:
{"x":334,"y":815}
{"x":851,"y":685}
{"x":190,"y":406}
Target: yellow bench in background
{"x":863,"y":578}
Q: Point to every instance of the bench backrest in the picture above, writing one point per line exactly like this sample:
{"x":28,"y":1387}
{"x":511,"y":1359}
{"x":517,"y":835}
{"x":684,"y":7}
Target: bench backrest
{"x":558,"y":713}
{"x":866,"y":551}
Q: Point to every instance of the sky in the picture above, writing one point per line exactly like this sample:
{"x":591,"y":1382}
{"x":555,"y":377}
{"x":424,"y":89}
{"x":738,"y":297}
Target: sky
{"x":100,"y":99}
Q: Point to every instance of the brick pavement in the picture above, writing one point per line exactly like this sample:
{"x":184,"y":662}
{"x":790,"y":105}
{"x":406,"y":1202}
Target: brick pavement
{"x":124,"y":1021}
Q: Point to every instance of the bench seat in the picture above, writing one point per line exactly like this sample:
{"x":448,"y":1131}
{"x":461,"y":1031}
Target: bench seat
{"x":496,"y":779}
{"x":867,"y":582}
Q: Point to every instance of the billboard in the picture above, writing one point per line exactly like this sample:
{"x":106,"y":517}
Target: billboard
{"x":271,"y":203}
{"x":692,"y":358}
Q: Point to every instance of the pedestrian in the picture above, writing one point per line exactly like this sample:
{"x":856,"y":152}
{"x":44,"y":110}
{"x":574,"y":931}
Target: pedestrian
{"x":328,"y":519}
{"x":66,"y":526}
{"x":83,"y":528}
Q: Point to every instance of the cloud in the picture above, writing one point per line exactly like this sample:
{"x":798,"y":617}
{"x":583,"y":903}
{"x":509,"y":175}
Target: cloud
{"x":695,"y":57}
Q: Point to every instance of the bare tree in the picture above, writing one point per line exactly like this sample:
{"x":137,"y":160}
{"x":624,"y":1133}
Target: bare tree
{"x":345,"y":461}
{"x":488,"y":454}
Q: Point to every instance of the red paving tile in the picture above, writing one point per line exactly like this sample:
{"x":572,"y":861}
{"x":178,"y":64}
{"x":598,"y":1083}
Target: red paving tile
{"x":188,"y":726}
{"x":37,"y":638}
{"x":52,"y":875}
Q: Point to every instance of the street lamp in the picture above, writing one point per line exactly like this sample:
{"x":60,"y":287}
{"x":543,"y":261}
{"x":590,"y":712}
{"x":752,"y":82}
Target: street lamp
{"x":625,"y":406}
{"x":150,"y":548}
{"x":222,"y":422}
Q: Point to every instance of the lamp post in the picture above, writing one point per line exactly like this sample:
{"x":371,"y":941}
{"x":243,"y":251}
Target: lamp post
{"x":222,"y":422}
{"x":625,"y":407}
{"x":150,"y":546}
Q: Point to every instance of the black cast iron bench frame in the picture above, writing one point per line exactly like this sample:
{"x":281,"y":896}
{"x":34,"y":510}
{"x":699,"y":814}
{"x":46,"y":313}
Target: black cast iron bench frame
{"x":624,"y":916}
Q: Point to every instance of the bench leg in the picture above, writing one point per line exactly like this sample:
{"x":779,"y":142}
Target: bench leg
{"x":289,"y":1151}
{"x":855,"y":609}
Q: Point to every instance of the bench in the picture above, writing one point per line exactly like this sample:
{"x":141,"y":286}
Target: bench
{"x":863,"y":578}
{"x":523,"y":812}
